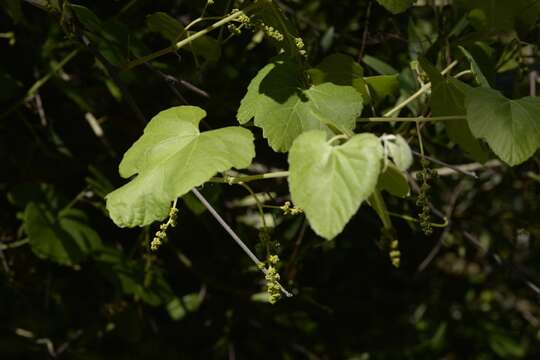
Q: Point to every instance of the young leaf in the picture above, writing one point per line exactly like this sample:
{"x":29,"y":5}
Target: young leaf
{"x":63,"y":237}
{"x":393,"y":181}
{"x":396,"y":6}
{"x":510,"y":127}
{"x":400,"y":152}
{"x":448,"y":98}
{"x":170,"y":158}
{"x":330,"y":182}
{"x":284,"y":107}
{"x":477,"y":72}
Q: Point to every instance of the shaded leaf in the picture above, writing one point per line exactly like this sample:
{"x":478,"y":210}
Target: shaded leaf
{"x":510,"y":127}
{"x":173,"y":30}
{"x":63,"y":237}
{"x":477,"y":72}
{"x":393,"y":181}
{"x":382,"y":86}
{"x":132,"y":277}
{"x":396,"y":6}
{"x":284,"y":107}
{"x":447,"y":99}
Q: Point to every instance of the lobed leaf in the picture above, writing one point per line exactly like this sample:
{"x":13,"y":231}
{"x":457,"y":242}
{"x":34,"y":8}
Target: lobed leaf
{"x":284,"y":107}
{"x":171,"y":158}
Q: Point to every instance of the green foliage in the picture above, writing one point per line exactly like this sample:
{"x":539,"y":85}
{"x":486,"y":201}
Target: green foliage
{"x":442,"y":264}
{"x":396,"y":6}
{"x":393,"y":181}
{"x":284,"y":105}
{"x":65,"y":238}
{"x":330,"y":182}
{"x":510,"y":127}
{"x":173,"y":30}
{"x":171,"y":158}
{"x":448,"y":98}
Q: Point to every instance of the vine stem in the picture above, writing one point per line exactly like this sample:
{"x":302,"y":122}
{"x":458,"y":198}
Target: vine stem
{"x":182,"y":43}
{"x":412,"y":119}
{"x":235,"y":237}
{"x":419,"y":93}
{"x":14,"y":244}
{"x":243,"y":179}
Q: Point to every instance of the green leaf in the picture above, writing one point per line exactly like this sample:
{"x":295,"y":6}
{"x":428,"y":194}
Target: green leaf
{"x":382,"y":86}
{"x":340,"y":69}
{"x":393,"y":181}
{"x":448,"y":99}
{"x":500,"y":15}
{"x":167,"y":26}
{"x":62,"y":237}
{"x":173,"y":30}
{"x":477,"y":72}
{"x":171,"y":158}
{"x":88,"y":18}
{"x":13,"y":8}
{"x":396,"y":6}
{"x":284,"y":107}
{"x":330,"y":182}
{"x":510,"y":127}
{"x":133,"y":277}
{"x":400,"y":152}
{"x":268,"y":15}
{"x":178,"y":308}
{"x":378,"y":65}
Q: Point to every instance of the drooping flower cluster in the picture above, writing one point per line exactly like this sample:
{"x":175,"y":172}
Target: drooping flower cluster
{"x":424,"y":176}
{"x":161,"y":234}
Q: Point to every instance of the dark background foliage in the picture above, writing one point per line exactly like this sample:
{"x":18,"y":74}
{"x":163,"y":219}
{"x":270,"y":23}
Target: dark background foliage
{"x":475,"y":297}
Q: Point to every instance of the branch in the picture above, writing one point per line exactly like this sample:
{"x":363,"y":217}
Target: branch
{"x":182,"y":43}
{"x":243,"y":179}
{"x":235,"y":237}
{"x":411,"y":119}
{"x":417,"y":94}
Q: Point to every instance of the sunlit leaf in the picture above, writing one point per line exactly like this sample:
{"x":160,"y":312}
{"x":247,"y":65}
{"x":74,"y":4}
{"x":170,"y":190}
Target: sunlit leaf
{"x":171,"y":158}
{"x":330,"y":182}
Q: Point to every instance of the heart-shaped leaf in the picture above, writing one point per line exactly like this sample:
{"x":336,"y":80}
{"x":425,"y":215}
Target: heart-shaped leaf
{"x":330,"y":182}
{"x":171,"y":158}
{"x":284,"y":107}
{"x":510,"y":127}
{"x":448,"y":98}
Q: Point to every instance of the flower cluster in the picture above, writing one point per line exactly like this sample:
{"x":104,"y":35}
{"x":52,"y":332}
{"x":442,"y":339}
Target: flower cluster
{"x":161,"y":234}
{"x":287,"y":209}
{"x":422,"y":201}
{"x":395,"y":254}
{"x":272,"y":280}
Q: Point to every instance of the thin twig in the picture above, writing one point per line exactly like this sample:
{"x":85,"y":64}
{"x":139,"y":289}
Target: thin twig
{"x":235,"y":237}
{"x":366,"y":32}
{"x":114,"y":76}
{"x":417,"y":94}
{"x":452,"y":205}
{"x":453,"y":167}
{"x":243,"y":179}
